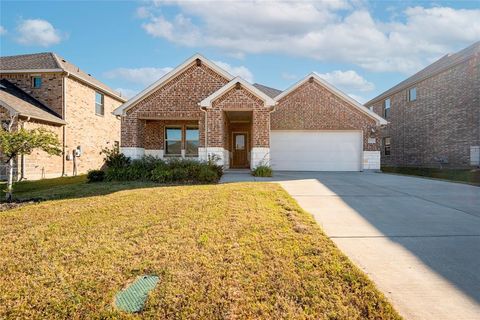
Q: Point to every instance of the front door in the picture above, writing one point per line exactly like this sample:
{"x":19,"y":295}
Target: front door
{"x":240,"y":159}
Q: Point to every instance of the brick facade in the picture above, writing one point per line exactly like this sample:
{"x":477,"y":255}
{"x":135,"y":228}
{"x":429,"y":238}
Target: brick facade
{"x":84,"y":128}
{"x":50,"y":93}
{"x":313,"y":107}
{"x":197,"y":93}
{"x":441,"y":125}
{"x":176,"y":100}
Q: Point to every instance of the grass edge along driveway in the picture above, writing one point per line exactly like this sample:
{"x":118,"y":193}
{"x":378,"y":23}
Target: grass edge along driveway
{"x":234,"y":251}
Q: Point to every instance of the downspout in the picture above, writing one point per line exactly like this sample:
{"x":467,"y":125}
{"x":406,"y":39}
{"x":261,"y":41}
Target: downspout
{"x":204,"y":109}
{"x":22,"y":159}
{"x":64,"y":128}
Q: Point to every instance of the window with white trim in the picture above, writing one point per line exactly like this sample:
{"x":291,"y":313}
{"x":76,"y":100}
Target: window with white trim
{"x":386,"y":108}
{"x":99,"y":104}
{"x":412,"y":94}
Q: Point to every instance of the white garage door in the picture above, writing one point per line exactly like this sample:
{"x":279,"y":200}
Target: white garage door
{"x":316,"y":150}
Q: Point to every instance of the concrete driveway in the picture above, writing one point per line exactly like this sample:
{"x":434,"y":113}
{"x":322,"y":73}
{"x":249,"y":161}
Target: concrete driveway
{"x":417,"y":239}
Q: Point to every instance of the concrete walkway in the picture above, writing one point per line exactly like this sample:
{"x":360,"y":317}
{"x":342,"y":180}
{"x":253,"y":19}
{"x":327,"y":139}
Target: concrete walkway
{"x":417,"y":239}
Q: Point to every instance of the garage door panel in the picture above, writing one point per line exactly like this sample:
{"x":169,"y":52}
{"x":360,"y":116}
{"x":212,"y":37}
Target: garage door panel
{"x":316,"y":150}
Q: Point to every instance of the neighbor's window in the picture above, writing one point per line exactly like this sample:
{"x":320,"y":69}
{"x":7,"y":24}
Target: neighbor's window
{"x":36,"y":82}
{"x":386,"y":108}
{"x":412,"y":94}
{"x":191,"y":141}
{"x":386,"y":146}
{"x":173,"y":141}
{"x":99,"y":105}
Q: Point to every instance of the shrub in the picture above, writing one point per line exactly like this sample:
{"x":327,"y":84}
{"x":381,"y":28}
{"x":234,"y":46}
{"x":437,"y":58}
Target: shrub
{"x":95,"y":176}
{"x":262,"y":171}
{"x":114,"y":159}
{"x":173,"y":170}
{"x":207,"y":174}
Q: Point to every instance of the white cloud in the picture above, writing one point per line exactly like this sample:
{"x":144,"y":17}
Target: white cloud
{"x":37,"y":32}
{"x":127,"y":93}
{"x":347,"y":80}
{"x":334,"y":31}
{"x":140,"y":76}
{"x":2,"y":31}
{"x":240,"y":71}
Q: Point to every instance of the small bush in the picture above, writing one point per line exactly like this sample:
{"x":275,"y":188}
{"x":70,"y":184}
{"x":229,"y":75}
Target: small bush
{"x":114,"y":159}
{"x":173,"y":170}
{"x":262,"y":171}
{"x":207,"y":175}
{"x":95,"y":176}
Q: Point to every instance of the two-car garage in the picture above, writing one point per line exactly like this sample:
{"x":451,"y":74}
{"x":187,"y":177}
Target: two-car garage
{"x":304,"y":150}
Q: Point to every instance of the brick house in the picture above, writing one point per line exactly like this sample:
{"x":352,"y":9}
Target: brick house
{"x":199,"y":110}
{"x":46,"y":90}
{"x":434,"y":116}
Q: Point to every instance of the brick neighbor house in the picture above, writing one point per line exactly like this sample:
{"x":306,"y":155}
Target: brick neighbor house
{"x":434,"y":116}
{"x":45,"y":90}
{"x":200,"y":111}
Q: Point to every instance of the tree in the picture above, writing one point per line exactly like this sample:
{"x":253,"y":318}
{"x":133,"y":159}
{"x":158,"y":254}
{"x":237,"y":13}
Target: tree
{"x":19,"y":142}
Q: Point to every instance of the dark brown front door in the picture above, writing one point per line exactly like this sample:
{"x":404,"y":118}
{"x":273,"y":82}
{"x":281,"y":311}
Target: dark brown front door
{"x":240,"y":150}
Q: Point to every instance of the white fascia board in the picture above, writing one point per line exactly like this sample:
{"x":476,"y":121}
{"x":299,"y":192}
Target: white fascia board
{"x":124,"y":107}
{"x":207,"y":102}
{"x":331,"y":88}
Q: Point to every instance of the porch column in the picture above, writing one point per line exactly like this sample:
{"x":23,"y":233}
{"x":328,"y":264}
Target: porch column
{"x":132,"y":137}
{"x":260,"y":154}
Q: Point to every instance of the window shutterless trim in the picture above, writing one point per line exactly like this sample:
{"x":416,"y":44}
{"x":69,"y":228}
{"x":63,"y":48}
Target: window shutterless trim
{"x":186,"y":128}
{"x":165,"y":139}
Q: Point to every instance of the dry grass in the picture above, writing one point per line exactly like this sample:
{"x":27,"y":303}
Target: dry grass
{"x":236,"y":251}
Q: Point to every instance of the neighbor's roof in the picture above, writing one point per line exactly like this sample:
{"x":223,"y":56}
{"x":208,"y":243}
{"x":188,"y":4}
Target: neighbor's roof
{"x":446,"y":62}
{"x":269,"y":91}
{"x":18,"y":101}
{"x":207,"y":102}
{"x":51,"y":62}
{"x":335,"y":91}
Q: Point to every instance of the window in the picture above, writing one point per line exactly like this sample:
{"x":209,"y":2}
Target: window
{"x":371,"y":108}
{"x":386,"y":108}
{"x":191,"y":141}
{"x":412,"y":94}
{"x":99,"y":106}
{"x":173,"y":141}
{"x":386,"y":146}
{"x":36,"y":82}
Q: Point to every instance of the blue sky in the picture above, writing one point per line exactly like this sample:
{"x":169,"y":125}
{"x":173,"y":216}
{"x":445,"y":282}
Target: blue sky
{"x":361,"y":47}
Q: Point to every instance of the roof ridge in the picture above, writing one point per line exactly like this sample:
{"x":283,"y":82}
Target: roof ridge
{"x":55,"y":57}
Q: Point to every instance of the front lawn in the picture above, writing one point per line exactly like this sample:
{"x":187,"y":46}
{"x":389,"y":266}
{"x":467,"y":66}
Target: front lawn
{"x":233,"y":251}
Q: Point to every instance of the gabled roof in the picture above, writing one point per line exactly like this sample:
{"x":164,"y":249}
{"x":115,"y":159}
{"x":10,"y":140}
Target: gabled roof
{"x":207,"y":102}
{"x":51,"y":62}
{"x":444,"y":63}
{"x":21,"y":103}
{"x":269,"y":91}
{"x":337,"y":92}
{"x":163,"y":80}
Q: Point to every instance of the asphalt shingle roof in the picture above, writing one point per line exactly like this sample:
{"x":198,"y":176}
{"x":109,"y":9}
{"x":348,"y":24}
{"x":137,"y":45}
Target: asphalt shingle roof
{"x":52,"y":61}
{"x":12,"y":97}
{"x":442,"y":64}
{"x":271,"y":92}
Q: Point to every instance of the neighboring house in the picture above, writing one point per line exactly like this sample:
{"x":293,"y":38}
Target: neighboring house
{"x":434,"y":116}
{"x":46,"y":90}
{"x":200,"y":111}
